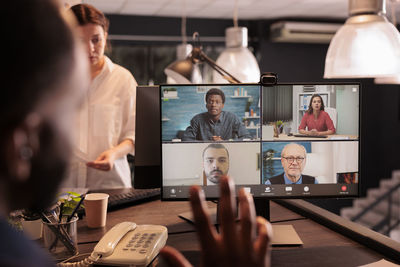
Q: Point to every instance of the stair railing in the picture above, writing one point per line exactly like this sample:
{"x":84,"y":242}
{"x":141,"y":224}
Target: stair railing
{"x":387,"y":220}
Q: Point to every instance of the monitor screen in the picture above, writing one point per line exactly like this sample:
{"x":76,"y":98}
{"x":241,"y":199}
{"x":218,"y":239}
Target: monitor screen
{"x":281,"y":141}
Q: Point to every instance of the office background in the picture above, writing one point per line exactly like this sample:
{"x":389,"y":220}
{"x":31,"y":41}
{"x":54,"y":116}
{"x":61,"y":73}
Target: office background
{"x":293,"y":62}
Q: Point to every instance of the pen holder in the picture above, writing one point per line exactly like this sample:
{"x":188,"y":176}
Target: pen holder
{"x":61,"y":238}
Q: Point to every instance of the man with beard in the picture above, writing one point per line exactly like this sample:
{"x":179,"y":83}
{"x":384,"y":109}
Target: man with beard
{"x":44,"y":81}
{"x":215,"y":163}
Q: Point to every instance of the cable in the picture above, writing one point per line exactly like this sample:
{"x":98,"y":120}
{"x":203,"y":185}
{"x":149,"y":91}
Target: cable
{"x":88,"y":261}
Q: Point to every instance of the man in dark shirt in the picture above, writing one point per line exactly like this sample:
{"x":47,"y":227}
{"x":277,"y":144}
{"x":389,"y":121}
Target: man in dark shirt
{"x":215,"y":124}
{"x":293,"y":159}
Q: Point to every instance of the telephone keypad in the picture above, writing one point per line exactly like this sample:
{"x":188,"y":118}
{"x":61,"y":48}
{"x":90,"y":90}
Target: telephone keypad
{"x":140,"y":242}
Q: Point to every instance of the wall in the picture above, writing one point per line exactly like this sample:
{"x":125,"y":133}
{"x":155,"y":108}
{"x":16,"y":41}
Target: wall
{"x":347,"y":102}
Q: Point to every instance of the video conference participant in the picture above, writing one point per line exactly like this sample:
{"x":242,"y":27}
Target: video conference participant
{"x":106,"y":122}
{"x":215,"y":124}
{"x":293,"y":159}
{"x":215,"y":163}
{"x":316,"y":120}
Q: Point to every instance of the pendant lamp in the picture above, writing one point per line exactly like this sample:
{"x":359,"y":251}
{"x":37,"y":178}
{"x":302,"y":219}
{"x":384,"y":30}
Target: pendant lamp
{"x":366,"y":46}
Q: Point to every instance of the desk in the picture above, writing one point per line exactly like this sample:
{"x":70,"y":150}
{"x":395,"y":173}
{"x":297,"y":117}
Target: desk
{"x":322,"y":246}
{"x":336,"y":137}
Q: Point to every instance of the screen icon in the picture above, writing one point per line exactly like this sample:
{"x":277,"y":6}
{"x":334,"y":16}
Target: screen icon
{"x":288,"y":188}
{"x":267,"y":189}
{"x":247,"y":189}
{"x":344,"y":188}
{"x":306,"y":189}
{"x":173,"y":191}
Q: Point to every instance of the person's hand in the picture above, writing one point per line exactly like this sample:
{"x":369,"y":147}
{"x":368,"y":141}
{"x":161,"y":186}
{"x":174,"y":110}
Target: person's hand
{"x":104,"y":162}
{"x":217,"y":138}
{"x":314,"y":132}
{"x":239,"y":244}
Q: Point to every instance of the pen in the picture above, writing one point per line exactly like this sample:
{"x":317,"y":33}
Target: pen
{"x":61,"y":212}
{"x":60,"y":233}
{"x":76,"y":208}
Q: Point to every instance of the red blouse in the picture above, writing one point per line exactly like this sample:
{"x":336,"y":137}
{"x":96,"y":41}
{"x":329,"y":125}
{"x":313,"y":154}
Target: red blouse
{"x":322,"y":123}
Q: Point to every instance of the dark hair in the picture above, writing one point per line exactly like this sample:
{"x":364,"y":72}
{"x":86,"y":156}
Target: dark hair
{"x":215,"y":91}
{"x":216,"y":146}
{"x":310,"y":109}
{"x":86,"y":14}
{"x":37,"y":68}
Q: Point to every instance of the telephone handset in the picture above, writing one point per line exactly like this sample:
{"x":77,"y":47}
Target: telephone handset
{"x":127,"y":244}
{"x":130,"y":244}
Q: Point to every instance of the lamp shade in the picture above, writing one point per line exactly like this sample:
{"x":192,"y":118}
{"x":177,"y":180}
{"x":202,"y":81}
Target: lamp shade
{"x":183,"y":70}
{"x":237,"y":58}
{"x":366,"y":46}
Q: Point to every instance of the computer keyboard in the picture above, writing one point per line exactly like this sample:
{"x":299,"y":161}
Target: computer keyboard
{"x":123,"y":197}
{"x":132,"y":197}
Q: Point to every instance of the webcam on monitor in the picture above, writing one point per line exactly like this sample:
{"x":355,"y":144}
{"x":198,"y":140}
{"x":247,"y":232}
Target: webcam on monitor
{"x":268,"y":79}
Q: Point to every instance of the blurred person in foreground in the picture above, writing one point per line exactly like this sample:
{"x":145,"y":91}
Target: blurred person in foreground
{"x":46,"y":77}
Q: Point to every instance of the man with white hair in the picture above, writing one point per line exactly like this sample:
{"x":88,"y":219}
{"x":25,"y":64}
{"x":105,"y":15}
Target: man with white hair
{"x":293,"y":159}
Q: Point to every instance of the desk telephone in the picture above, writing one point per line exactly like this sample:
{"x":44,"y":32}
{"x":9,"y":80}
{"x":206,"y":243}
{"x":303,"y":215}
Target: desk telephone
{"x":128,"y":244}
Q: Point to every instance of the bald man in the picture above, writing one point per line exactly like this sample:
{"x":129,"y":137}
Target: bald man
{"x":293,"y":159}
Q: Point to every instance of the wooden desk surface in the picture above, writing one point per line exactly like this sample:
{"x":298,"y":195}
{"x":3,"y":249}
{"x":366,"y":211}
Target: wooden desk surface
{"x":322,"y":246}
{"x":284,"y":137}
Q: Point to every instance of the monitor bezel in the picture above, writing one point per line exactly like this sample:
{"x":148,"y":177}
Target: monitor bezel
{"x":338,"y":196}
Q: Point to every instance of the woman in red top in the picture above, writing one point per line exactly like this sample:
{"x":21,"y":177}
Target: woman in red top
{"x":316,"y":120}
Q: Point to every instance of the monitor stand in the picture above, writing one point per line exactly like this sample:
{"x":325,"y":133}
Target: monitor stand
{"x":262,"y":209}
{"x":283,"y":235}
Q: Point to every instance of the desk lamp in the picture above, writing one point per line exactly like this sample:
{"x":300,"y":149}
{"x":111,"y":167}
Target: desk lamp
{"x":182,"y":70}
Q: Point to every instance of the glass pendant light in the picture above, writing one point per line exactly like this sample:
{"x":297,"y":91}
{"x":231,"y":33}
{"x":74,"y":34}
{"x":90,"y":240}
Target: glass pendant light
{"x":192,"y":71}
{"x":237,"y":58}
{"x":394,"y":79}
{"x":367,"y":45}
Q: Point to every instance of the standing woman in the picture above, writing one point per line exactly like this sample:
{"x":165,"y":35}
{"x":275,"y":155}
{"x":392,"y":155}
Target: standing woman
{"x":106,"y":123}
{"x":316,"y":119}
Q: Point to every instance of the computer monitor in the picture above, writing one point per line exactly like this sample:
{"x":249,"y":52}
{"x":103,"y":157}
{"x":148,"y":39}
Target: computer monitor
{"x":147,"y":138}
{"x":258,"y":146}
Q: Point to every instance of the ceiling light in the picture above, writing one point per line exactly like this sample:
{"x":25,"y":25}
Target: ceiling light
{"x":182,"y":51}
{"x":237,"y":58}
{"x":367,"y":45}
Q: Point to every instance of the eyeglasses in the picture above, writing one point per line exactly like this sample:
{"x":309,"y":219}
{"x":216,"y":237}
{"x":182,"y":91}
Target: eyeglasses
{"x":291,"y":159}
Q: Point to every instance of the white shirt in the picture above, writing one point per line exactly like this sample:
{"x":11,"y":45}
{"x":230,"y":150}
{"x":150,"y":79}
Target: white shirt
{"x":107,"y":118}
